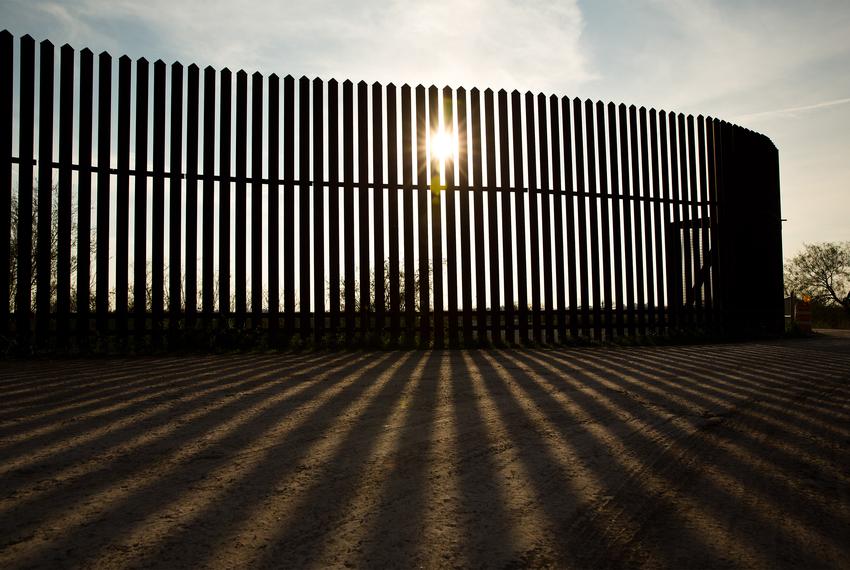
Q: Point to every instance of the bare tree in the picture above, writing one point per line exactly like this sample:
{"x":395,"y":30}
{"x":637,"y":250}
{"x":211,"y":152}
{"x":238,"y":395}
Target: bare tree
{"x":822,"y":272}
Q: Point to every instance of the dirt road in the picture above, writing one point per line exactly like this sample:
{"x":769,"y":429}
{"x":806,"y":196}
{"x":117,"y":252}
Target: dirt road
{"x":717,"y":456}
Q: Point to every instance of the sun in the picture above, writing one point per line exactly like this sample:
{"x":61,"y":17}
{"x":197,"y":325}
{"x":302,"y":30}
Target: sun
{"x":442,"y":145}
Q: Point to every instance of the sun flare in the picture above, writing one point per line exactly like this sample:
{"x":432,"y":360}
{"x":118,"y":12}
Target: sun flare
{"x":442,"y":145}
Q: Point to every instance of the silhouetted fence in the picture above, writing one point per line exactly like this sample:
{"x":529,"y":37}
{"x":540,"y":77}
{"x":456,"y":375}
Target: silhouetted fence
{"x":165,"y":204}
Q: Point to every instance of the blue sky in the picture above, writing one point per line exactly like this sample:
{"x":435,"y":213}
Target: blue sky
{"x":777,"y":67}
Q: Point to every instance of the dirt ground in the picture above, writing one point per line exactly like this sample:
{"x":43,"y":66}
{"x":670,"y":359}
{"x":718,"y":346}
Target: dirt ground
{"x":734,"y":455}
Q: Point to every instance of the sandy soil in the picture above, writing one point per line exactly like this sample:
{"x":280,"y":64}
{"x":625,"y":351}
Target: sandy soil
{"x":716,"y":456}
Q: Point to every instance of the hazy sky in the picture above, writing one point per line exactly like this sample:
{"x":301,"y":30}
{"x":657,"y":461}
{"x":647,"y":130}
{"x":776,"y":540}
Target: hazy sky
{"x":779,"y":67}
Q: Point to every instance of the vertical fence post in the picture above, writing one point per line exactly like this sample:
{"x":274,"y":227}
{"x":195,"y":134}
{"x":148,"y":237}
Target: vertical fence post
{"x":693,"y":226}
{"x":158,"y":230}
{"x":348,"y":206}
{"x":493,"y":220}
{"x":45,"y":194}
{"x":274,"y":208}
{"x":407,"y":209}
{"x":363,"y":222}
{"x":451,"y":214}
{"x":208,"y":212}
{"x":646,"y":195}
{"x":657,"y":199}
{"x":84,"y":198}
{"x":626,"y":192}
{"x":533,"y":215}
{"x":192,"y":100}
{"x":392,"y":199}
{"x":713,"y":159}
{"x":66,"y":143}
{"x":593,"y":210}
{"x":23,"y":301}
{"x":640,"y":272}
{"x":581,"y":192}
{"x":289,"y":207}
{"x":6,"y":88}
{"x":605,"y":206}
{"x":225,"y":121}
{"x":465,"y":278}
{"x":547,"y":196}
{"x":318,"y":211}
{"x":683,"y":227}
{"x":571,"y":196}
{"x":436,"y":201}
{"x":465,"y":190}
{"x":478,"y":209}
{"x":616,"y":216}
{"x":563,"y":197}
{"x":241,"y":221}
{"x":673,"y":241}
{"x":256,"y":200}
{"x":507,"y":229}
{"x":519,"y":213}
{"x":141,"y":201}
{"x":704,"y":264}
{"x":664,"y":194}
{"x":191,"y":294}
{"x":422,"y":192}
{"x":175,"y":188}
{"x":378,"y":206}
{"x":304,"y":206}
{"x":104,"y":162}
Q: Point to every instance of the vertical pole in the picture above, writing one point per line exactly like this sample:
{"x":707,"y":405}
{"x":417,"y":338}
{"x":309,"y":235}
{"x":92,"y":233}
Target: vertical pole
{"x":436,"y":200}
{"x":241,"y":222}
{"x":451,"y":214}
{"x":464,"y":189}
{"x":519,"y":213}
{"x":158,"y":217}
{"x":318,"y":211}
{"x":640,"y":272}
{"x":605,"y":203}
{"x":392,"y":207}
{"x":256,"y":201}
{"x":66,"y":144}
{"x":304,"y":206}
{"x":616,"y":215}
{"x":175,"y":166}
{"x":647,"y":222}
{"x":348,"y":206}
{"x":208,"y":212}
{"x":84,"y":198}
{"x":493,"y":220}
{"x":547,"y":197}
{"x":378,"y":206}
{"x":225,"y":121}
{"x":45,"y":194}
{"x":478,"y":208}
{"x":193,"y":88}
{"x":363,"y":222}
{"x":104,"y":162}
{"x":6,"y":88}
{"x":333,"y":207}
{"x":289,"y":207}
{"x":407,"y":206}
{"x":593,"y":199}
{"x":274,"y":207}
{"x":422,"y":213}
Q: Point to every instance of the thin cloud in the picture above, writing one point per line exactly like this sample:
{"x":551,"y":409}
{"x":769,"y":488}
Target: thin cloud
{"x":792,"y":111}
